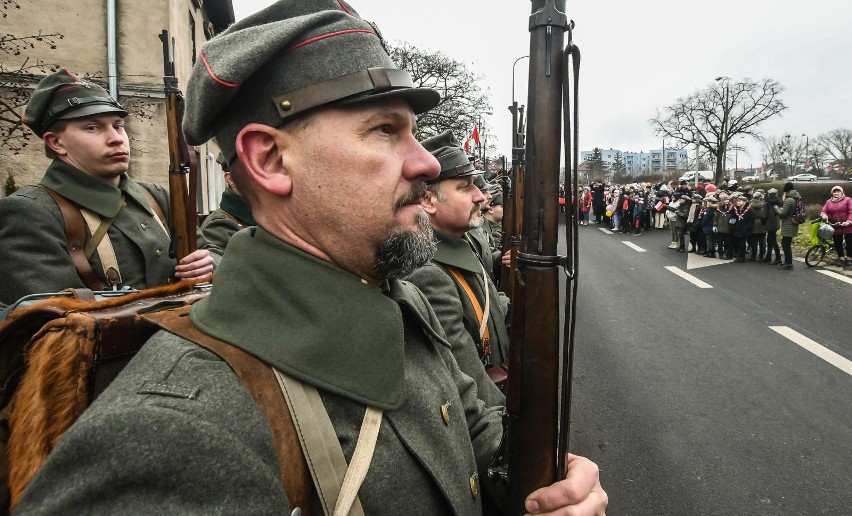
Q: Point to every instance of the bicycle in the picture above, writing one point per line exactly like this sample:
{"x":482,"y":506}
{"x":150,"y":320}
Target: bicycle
{"x":825,"y":243}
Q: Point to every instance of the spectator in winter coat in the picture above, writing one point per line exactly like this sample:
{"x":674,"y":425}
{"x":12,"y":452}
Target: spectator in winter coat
{"x":788,"y":229}
{"x":708,"y":228}
{"x":772,"y":224}
{"x":693,"y":222}
{"x":638,"y":214}
{"x":839,"y":209}
{"x":585,"y":205}
{"x":598,"y":204}
{"x":723,"y":236}
{"x":741,"y":221}
{"x":757,"y":240}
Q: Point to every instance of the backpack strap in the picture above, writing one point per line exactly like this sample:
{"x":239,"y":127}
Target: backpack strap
{"x":262,"y":385}
{"x":101,"y":242}
{"x":75,"y":235}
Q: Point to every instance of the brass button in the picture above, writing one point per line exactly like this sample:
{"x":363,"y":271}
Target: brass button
{"x":158,"y":253}
{"x":445,"y":412}
{"x":474,"y":485}
{"x":285,"y":105}
{"x":144,"y":226}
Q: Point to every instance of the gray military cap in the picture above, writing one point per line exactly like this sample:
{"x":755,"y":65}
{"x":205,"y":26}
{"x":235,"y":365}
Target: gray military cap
{"x":63,"y":96}
{"x":450,"y":155}
{"x":285,"y":60}
{"x":497,"y":200}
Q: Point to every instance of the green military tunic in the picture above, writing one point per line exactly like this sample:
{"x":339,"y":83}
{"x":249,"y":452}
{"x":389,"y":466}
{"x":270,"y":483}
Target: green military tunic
{"x":34,"y":255}
{"x":233,"y":215}
{"x":177,"y":432}
{"x":456,"y":313}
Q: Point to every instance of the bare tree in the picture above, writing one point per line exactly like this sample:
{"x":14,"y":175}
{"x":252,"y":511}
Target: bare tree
{"x":725,"y":109}
{"x":838,"y":144}
{"x":463,"y":103}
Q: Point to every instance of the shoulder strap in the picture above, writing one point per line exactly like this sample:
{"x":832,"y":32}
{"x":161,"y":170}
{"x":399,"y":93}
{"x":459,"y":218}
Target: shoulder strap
{"x":262,"y":384}
{"x":481,"y":316}
{"x":75,"y":235}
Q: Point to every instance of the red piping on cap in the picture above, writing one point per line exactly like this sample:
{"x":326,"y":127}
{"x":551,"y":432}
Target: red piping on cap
{"x":213,"y":75}
{"x":330,"y":34}
{"x":350,"y":13}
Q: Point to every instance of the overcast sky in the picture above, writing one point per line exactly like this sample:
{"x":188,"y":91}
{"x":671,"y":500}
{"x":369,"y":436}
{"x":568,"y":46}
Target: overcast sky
{"x":640,"y":56}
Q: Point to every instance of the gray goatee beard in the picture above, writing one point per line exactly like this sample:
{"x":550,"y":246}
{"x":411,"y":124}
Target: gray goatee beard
{"x":406,"y":250}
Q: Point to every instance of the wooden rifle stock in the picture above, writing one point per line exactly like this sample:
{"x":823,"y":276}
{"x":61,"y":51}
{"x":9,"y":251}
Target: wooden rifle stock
{"x":538,"y":362}
{"x":182,"y":163}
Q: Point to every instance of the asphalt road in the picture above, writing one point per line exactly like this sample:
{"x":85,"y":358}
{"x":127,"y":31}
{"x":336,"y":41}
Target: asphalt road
{"x":692,"y":400}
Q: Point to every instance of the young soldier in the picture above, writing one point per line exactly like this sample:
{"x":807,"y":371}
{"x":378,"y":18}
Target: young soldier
{"x":455,"y":281}
{"x":304,"y":94}
{"x":83,"y":132}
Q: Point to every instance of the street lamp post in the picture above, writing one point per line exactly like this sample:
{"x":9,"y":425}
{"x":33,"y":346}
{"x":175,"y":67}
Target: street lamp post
{"x":805,"y":162}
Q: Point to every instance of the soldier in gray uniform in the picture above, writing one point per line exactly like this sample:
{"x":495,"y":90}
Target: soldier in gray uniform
{"x":233,"y":213}
{"x":474,"y":322}
{"x":305,"y":95}
{"x":83,"y":132}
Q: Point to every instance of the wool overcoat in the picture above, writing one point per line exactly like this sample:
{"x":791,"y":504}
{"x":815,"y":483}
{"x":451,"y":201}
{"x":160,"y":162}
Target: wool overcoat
{"x":177,"y":433}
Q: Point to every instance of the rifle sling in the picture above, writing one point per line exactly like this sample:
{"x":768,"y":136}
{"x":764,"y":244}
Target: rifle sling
{"x":75,"y":235}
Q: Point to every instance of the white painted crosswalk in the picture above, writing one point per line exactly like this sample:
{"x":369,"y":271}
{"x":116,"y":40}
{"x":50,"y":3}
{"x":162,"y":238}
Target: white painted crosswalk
{"x":814,"y":347}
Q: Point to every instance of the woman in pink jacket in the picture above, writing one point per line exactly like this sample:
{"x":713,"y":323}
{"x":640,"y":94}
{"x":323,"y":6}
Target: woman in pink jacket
{"x":839,"y":209}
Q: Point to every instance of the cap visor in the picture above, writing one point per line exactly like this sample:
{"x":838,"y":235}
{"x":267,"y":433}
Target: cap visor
{"x":94,"y":109}
{"x":420,"y":99}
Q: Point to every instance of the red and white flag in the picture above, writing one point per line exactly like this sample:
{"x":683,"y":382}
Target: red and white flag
{"x":467,"y":146}
{"x":475,"y":135}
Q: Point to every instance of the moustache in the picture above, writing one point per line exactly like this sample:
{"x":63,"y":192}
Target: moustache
{"x":414,"y":196}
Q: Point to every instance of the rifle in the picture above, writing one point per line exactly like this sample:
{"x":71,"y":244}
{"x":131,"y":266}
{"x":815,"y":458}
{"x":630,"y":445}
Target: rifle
{"x":513,"y":200}
{"x":538,"y":390}
{"x":182,"y":163}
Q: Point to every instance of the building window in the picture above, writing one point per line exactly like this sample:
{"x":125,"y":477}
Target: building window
{"x":192,"y":36}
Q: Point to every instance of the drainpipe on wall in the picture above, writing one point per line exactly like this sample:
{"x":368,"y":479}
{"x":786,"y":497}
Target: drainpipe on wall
{"x":112,"y":67}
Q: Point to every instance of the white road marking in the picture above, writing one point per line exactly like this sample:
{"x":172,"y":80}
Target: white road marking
{"x":605,"y":230}
{"x":696,"y":261}
{"x":633,"y":246}
{"x":817,"y":349}
{"x":832,"y":274}
{"x":688,"y":277}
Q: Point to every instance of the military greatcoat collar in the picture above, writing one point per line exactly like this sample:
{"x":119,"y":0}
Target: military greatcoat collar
{"x":456,"y":252}
{"x":236,"y":206}
{"x":308,"y":318}
{"x":90,"y":192}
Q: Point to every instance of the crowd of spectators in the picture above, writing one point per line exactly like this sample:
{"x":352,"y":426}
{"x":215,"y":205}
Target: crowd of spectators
{"x":728,"y":222}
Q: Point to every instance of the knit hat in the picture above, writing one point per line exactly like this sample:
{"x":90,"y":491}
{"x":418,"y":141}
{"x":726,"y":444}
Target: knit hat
{"x":838,"y":187}
{"x":63,"y":96}
{"x":451,"y":156}
{"x":789,"y":186}
{"x":286,"y":60}
{"x":710,"y":188}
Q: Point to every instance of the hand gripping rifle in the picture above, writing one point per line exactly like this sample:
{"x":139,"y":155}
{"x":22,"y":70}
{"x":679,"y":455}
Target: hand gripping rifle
{"x":182,"y":162}
{"x":538,"y":391}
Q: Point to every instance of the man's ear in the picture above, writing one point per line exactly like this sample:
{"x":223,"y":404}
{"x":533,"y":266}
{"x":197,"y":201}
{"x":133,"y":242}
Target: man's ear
{"x":429,"y":203}
{"x":52,"y":141}
{"x":259,"y":148}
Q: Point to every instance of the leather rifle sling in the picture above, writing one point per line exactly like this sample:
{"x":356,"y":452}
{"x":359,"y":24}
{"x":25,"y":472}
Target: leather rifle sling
{"x":75,"y":235}
{"x":482,"y":317}
{"x":262,"y":385}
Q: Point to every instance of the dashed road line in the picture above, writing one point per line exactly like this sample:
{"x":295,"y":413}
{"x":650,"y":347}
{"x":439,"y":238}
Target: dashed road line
{"x":633,"y":246}
{"x":605,"y":230}
{"x":688,"y":277}
{"x":832,"y":274}
{"x":817,"y":349}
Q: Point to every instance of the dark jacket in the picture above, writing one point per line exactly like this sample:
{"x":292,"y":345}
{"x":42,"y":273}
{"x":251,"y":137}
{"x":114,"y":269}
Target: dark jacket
{"x":758,"y":208}
{"x":773,"y":220}
{"x":233,"y":215}
{"x":707,"y":220}
{"x":741,"y":221}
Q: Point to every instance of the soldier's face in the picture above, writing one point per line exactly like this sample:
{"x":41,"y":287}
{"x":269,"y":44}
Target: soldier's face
{"x":358,"y":177}
{"x":97,"y":145}
{"x":459,"y":210}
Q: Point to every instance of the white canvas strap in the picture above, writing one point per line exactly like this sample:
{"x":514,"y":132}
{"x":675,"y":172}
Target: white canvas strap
{"x":336,"y":482}
{"x":105,"y":250}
